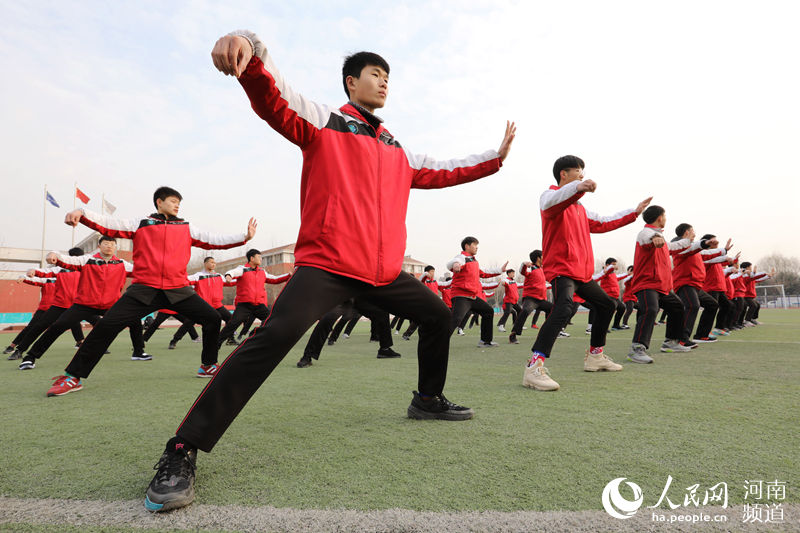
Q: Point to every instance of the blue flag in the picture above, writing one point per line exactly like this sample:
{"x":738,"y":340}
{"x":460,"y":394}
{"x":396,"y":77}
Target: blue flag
{"x":52,"y":200}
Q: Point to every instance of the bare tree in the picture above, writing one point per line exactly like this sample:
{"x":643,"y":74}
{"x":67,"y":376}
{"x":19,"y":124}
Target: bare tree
{"x":787,"y":271}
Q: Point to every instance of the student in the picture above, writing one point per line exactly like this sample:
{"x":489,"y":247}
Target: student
{"x":151,"y":325}
{"x":159,"y":280}
{"x":354,"y":191}
{"x":428,"y":279}
{"x":534,"y":293}
{"x":48,"y":286}
{"x":751,"y":306}
{"x":609,"y":282}
{"x":467,"y":290}
{"x":208,"y":284}
{"x":568,"y":266}
{"x":628,"y":298}
{"x":652,"y":284}
{"x":251,"y":292}
{"x":344,"y":326}
{"x":65,"y":288}
{"x":511,"y":306}
{"x":102,"y":277}
{"x":688,"y":276}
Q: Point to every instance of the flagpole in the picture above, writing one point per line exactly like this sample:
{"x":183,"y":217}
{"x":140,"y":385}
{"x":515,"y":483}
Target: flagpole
{"x":44,"y":224}
{"x":74,"y":196}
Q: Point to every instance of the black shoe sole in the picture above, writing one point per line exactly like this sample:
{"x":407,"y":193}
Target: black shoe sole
{"x":420,"y":414}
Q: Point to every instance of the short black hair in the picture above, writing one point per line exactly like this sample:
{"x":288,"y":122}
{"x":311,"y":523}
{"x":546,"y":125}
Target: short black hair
{"x":610,"y":260}
{"x":162,"y":193}
{"x":509,"y":271}
{"x":251,"y":252}
{"x":106,"y":238}
{"x":652,"y":213}
{"x":75,"y":252}
{"x":708,"y":237}
{"x":467,"y":241}
{"x":354,"y":64}
{"x":535,"y":255}
{"x":682,"y":228}
{"x":207,"y":259}
{"x":564,"y":163}
{"x":746,"y":264}
{"x":429,"y":268}
{"x":630,"y":267}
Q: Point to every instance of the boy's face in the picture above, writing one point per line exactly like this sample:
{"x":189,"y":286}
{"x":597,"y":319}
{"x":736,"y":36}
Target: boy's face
{"x":255,"y":260}
{"x":431,"y":274}
{"x":538,"y":262}
{"x":511,"y":274}
{"x":614,"y":265}
{"x":108,"y":247}
{"x":571,"y":174}
{"x":371,"y":88}
{"x":169,"y":205}
{"x":210,"y":265}
{"x":471,"y":249}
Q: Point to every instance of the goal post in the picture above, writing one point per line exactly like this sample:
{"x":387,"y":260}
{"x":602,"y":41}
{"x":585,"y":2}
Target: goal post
{"x":771,"y":296}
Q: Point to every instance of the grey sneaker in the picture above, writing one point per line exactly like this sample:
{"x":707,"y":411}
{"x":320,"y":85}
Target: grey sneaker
{"x":674,"y":346}
{"x":638,"y":354}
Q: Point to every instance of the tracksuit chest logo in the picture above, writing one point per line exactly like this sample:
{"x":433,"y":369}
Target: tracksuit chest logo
{"x":353,"y":127}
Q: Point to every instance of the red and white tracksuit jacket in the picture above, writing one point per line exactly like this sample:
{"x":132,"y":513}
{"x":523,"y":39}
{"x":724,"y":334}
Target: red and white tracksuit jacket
{"x":511,"y":295}
{"x":628,"y":295}
{"x":750,"y":280}
{"x":467,"y":281}
{"x":48,"y":286}
{"x":609,"y":280}
{"x":101,"y":281}
{"x":535,"y":286}
{"x":444,"y":290}
{"x":566,"y":226}
{"x":250,"y":282}
{"x":356,"y":178}
{"x":715,"y":276}
{"x":430,"y":283}
{"x":208,"y":285}
{"x":730,"y":289}
{"x":688,"y":267}
{"x":652,"y":266}
{"x":66,"y":284}
{"x":161,"y":247}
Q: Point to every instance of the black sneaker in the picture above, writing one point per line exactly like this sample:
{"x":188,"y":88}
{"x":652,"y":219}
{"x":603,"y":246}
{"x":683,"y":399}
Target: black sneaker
{"x":16,"y":354}
{"x":304,"y":362}
{"x":28,"y":363}
{"x":437,"y":408}
{"x":171,"y":345}
{"x":513,"y":339}
{"x":387,"y":353}
{"x":173,"y":485}
{"x":144,"y":356}
{"x":8,"y":350}
{"x":232,"y":342}
{"x":78,"y":343}
{"x":147,"y":321}
{"x":406,"y":337}
{"x":331,"y":342}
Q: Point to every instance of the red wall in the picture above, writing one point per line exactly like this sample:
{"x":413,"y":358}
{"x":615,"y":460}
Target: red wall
{"x":18,"y":297}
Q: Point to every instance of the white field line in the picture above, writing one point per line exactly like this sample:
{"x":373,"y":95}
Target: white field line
{"x":131,"y":514}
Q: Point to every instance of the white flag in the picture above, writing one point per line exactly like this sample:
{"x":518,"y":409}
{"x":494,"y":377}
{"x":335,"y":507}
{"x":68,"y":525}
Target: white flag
{"x":109,"y":207}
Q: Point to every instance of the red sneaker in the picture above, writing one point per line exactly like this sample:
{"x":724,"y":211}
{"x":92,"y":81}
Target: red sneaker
{"x":64,"y":385}
{"x":207,"y":371}
{"x":535,"y":326}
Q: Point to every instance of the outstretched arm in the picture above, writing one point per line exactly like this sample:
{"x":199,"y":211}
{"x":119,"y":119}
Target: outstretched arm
{"x":106,"y":225}
{"x":216,"y":241}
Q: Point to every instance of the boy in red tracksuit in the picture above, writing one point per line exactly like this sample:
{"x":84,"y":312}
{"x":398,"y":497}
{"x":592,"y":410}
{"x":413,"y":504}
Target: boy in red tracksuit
{"x":354,"y":191}
{"x":66,"y":286}
{"x":467,"y":291}
{"x":162,"y":245}
{"x":251,"y":293}
{"x":48,"y":288}
{"x":751,"y":306}
{"x":102,"y":276}
{"x":652,"y":284}
{"x":534,"y":293}
{"x":628,"y":298}
{"x":568,"y":265}
{"x":609,"y":282}
{"x":511,"y":305}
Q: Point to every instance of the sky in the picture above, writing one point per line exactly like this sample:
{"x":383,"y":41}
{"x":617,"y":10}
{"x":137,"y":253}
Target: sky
{"x":692,"y":102}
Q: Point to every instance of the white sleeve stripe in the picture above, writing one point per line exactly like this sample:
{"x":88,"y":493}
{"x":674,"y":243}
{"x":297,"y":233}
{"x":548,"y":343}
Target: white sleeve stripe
{"x":420,"y":161}
{"x":111,"y":223}
{"x":217,"y":239}
{"x":552,"y":197}
{"x":616,"y":216}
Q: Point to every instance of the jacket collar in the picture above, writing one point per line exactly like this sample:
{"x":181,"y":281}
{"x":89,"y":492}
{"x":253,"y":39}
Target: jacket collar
{"x":357,"y":111}
{"x":168,"y":218}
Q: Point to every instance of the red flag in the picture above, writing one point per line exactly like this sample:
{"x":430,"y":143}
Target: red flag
{"x":81,"y":196}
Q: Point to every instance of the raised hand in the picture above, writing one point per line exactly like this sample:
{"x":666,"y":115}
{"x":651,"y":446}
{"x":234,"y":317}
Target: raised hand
{"x":231,"y":54}
{"x":505,"y":146}
{"x":251,"y":229}
{"x":643,"y":205}
{"x":587,"y":186}
{"x":729,"y":245}
{"x":457,"y":267}
{"x":658,"y":241}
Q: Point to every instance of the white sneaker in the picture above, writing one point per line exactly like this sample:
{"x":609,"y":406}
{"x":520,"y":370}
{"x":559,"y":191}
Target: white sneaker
{"x":563,"y":333}
{"x":345,"y":336}
{"x":673,"y":346}
{"x":589,"y":330}
{"x":460,"y":331}
{"x":501,"y":328}
{"x":524,"y":327}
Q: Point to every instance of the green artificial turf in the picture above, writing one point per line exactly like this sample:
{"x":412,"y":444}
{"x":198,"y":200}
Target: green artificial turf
{"x":336,"y":435}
